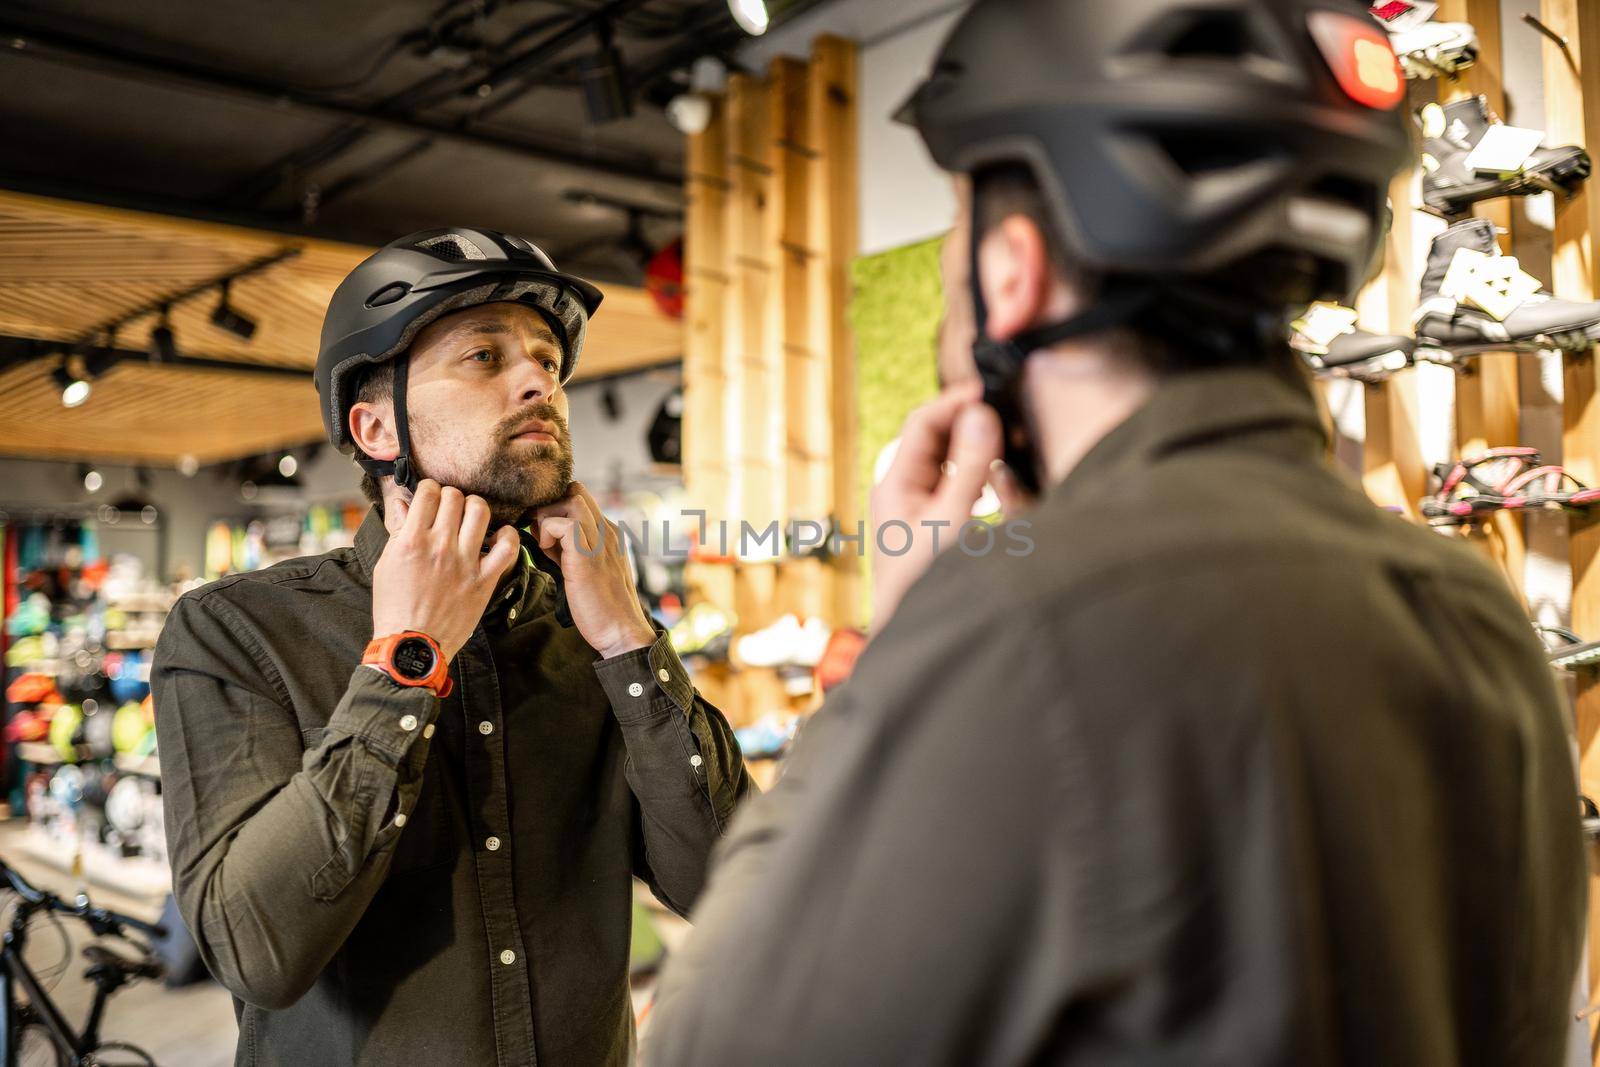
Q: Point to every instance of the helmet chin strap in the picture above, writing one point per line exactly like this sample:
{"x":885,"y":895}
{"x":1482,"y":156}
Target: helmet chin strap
{"x":401,"y":467}
{"x":1000,"y":362}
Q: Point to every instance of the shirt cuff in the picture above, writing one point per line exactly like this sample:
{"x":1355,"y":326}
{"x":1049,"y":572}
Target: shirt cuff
{"x":646,"y":680}
{"x":383,"y":712}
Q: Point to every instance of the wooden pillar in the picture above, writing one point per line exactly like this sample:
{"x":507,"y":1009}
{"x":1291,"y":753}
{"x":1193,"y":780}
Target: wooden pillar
{"x":1572,"y":116}
{"x":705,"y":382}
{"x":831,"y":121}
{"x":1393,"y":471}
{"x":1488,"y":403}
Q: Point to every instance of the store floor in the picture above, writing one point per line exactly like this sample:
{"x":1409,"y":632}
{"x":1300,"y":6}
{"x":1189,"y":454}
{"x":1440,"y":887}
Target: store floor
{"x":188,"y":1027}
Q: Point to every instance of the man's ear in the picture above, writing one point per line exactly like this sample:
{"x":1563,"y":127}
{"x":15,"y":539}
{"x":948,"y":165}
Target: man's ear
{"x":1014,"y":270}
{"x":372,"y":431}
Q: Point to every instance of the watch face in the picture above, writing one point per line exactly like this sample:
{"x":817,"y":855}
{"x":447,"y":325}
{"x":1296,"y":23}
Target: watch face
{"x":413,"y":658}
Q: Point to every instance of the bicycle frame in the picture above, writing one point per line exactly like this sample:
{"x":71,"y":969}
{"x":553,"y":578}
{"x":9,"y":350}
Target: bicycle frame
{"x":15,"y":975}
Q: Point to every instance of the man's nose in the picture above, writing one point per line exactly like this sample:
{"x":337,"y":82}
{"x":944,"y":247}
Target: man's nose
{"x":534,"y":382}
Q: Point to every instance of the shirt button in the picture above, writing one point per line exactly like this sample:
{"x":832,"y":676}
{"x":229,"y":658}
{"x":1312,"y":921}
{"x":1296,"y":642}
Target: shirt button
{"x":635,"y":690}
{"x":486,"y":728}
{"x":408,"y":723}
{"x":695,"y":761}
{"x":511,"y":616}
{"x":663,"y":675}
{"x":493,"y":844}
{"x":508,"y":957}
{"x":399,"y":818}
{"x":427,"y":731}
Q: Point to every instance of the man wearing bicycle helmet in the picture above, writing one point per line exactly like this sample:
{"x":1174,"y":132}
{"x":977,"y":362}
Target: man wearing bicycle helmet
{"x":408,"y":785}
{"x":1234,"y":767}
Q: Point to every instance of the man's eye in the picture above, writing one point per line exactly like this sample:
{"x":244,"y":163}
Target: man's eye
{"x":552,"y":366}
{"x":483,"y":355}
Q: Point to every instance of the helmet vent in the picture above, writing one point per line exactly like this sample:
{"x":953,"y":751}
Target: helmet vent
{"x":451,"y":247}
{"x":1204,"y":33}
{"x":1200,"y":154}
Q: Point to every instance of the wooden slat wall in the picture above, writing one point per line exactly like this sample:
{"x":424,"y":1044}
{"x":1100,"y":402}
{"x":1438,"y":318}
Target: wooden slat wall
{"x":769,"y":372}
{"x":1572,"y":116}
{"x":65,"y":268}
{"x":1488,"y":404}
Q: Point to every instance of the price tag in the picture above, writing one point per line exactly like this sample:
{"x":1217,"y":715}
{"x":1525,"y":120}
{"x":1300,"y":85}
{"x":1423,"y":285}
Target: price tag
{"x":1503,"y":150}
{"x":1321,"y":323}
{"x":1496,"y":285}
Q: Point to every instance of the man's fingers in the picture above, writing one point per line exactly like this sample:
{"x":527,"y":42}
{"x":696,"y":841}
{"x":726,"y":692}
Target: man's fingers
{"x":925,"y":439}
{"x":974,"y":446}
{"x":587,"y":512}
{"x":424,"y":504}
{"x":556,"y":532}
{"x":1014,"y":499}
{"x":474,"y":525}
{"x":447,"y":520}
{"x":394,"y":515}
{"x":501,"y":555}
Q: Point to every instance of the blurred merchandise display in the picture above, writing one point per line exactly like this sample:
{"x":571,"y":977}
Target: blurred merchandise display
{"x":79,"y":729}
{"x":233,"y":547}
{"x":1469,"y":155}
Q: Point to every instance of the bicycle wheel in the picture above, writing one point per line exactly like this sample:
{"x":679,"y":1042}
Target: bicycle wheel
{"x":36,"y":1048}
{"x":119,"y":1054}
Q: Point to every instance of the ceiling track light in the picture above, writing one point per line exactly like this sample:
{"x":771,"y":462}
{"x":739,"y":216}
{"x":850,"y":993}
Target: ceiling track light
{"x":605,"y":93}
{"x":224,"y":317}
{"x":74,"y":388}
{"x":163,"y":344}
{"x":751,"y":15}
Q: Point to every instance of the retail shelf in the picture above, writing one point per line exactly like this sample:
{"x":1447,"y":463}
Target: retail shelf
{"x":37,"y":752}
{"x":128,"y":874}
{"x":145,"y":766}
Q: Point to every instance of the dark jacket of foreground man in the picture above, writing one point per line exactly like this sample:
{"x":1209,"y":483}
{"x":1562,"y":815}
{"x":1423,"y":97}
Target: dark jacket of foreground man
{"x":381,"y":877}
{"x":1235,"y":768}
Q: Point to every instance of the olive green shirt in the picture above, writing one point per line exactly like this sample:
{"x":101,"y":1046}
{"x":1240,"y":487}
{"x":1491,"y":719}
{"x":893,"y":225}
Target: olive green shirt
{"x":382,"y":877}
{"x":1233,"y":768}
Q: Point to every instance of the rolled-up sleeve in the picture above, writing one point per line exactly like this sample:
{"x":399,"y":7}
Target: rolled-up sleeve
{"x":278,"y":840}
{"x":683,"y":766}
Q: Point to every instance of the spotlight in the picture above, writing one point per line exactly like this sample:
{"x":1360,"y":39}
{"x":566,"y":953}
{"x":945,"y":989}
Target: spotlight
{"x":163,"y":345}
{"x":188,"y":465}
{"x":74,"y":389}
{"x":226,"y":318}
{"x":751,"y":15}
{"x":689,"y":112}
{"x":92,"y":480}
{"x":288,"y":465}
{"x":605,"y":95}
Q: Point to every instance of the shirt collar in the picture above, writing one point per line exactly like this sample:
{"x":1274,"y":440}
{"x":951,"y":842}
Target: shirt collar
{"x":1202,"y":409}
{"x":526,"y":589}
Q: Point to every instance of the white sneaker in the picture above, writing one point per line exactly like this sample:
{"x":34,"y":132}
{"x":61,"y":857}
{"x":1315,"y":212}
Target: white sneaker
{"x":785,"y":642}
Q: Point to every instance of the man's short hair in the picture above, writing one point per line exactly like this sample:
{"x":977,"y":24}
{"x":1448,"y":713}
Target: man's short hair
{"x":376,"y":387}
{"x":1172,"y":336}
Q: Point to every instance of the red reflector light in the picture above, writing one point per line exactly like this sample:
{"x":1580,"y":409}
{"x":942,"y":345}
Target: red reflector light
{"x":1361,"y":58}
{"x":1393,"y":9}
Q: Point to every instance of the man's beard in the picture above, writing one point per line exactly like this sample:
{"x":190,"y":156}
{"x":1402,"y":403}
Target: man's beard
{"x":514,"y":478}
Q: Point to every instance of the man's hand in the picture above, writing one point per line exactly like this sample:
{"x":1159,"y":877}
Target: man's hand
{"x":947,"y":450}
{"x":600,"y":594}
{"x":433,"y":575}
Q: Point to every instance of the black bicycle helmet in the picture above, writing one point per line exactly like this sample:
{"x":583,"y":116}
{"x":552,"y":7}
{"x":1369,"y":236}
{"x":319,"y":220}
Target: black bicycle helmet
{"x":378,"y":309}
{"x":1229,"y":158}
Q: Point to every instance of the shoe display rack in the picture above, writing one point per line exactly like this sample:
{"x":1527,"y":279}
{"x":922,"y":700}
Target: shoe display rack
{"x":1565,"y":35}
{"x":769,"y":387}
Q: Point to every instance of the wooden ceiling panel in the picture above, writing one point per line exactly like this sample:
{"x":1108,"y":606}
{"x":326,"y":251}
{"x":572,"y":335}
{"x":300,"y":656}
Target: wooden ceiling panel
{"x":67,"y":268}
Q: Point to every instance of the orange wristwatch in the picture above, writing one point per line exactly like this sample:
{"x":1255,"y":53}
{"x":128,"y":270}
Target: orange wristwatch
{"x":411,"y":658}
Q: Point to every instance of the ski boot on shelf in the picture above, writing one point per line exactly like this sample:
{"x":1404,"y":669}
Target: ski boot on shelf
{"x":1429,"y":49}
{"x":1450,"y":187}
{"x":1475,"y":300}
{"x":1326,"y":336}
